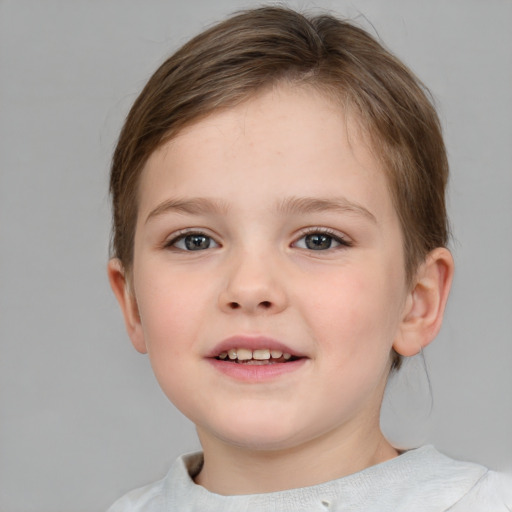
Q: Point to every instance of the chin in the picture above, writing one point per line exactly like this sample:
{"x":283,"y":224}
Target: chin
{"x":258,"y":435}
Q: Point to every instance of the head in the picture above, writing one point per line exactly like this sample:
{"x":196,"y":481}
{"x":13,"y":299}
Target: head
{"x":236,"y":59}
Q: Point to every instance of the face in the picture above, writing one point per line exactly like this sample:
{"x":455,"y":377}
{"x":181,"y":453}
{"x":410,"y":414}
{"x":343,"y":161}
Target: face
{"x":266,"y":234}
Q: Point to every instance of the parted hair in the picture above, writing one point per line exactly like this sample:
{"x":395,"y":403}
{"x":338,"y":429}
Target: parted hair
{"x":233,"y":60}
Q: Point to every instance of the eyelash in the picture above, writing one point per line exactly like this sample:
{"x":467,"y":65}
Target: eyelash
{"x":336,"y":237}
{"x":182,"y":235}
{"x":333,"y":236}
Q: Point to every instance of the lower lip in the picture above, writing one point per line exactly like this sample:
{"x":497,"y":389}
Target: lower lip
{"x":256,"y":373}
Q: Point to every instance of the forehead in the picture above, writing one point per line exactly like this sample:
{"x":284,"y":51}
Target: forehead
{"x":284,"y":140}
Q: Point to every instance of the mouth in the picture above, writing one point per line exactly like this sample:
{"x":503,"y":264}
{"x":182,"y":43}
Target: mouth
{"x":253,"y":350}
{"x":255,"y":359}
{"x":260,"y":356}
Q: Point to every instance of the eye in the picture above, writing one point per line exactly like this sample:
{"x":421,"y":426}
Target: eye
{"x":192,"y":242}
{"x":320,"y":241}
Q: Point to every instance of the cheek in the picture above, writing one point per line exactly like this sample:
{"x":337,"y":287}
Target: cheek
{"x":171,"y":319}
{"x":357,"y":307}
{"x":170,"y":310}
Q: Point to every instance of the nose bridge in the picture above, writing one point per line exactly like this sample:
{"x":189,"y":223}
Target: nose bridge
{"x":253,"y":282}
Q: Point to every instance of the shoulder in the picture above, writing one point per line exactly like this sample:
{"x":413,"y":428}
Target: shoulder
{"x":168,"y":492}
{"x":149,"y":498}
{"x":444,"y":484}
{"x":492,"y":492}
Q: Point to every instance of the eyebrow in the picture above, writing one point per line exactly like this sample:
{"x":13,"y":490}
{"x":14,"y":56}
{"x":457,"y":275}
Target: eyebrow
{"x":290,"y":205}
{"x":298,"y":205}
{"x":194,"y":206}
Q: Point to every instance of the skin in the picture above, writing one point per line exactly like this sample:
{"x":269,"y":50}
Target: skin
{"x":342,"y":307}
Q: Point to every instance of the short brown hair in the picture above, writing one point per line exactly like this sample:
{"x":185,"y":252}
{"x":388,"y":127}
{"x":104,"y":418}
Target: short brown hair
{"x":226,"y":64}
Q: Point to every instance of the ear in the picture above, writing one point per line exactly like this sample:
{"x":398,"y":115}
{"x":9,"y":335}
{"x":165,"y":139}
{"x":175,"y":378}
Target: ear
{"x":425,"y":304}
{"x":123,"y":291}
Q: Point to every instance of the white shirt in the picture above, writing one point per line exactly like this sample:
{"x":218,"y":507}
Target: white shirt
{"x":420,"y":480}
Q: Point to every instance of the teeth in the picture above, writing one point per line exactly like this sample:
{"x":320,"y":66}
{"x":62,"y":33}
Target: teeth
{"x":261,"y":354}
{"x":244,"y":354}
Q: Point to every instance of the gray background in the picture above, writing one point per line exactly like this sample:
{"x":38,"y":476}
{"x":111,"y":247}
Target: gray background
{"x":82,"y":419}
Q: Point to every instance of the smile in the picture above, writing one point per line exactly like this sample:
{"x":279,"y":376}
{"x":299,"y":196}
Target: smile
{"x":261,"y":356}
{"x":266,"y":360}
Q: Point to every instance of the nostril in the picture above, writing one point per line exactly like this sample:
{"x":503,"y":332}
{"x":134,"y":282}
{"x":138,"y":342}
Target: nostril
{"x":264,"y":304}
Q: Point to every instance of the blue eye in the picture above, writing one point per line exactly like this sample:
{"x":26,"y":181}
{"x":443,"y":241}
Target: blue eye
{"x":320,"y":241}
{"x":193,"y":242}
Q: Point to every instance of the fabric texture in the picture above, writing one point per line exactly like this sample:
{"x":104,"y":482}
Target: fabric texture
{"x":420,"y":480}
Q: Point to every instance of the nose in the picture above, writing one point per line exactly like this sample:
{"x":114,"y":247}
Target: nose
{"x":253,"y":285}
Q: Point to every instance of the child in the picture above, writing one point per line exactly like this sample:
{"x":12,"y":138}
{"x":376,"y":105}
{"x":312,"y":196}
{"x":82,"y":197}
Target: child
{"x":279,"y":246}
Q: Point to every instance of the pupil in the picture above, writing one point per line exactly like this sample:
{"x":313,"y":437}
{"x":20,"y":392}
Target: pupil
{"x":197,"y":242}
{"x":318,"y":241}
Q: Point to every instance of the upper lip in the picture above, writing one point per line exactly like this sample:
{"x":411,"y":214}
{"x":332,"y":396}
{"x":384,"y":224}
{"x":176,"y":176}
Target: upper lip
{"x":251,"y":343}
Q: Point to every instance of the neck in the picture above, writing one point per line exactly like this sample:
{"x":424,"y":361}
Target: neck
{"x":231,"y":470}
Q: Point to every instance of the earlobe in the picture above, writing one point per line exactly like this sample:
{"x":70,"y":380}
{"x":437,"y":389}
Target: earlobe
{"x":425,"y":304}
{"x":126,"y":299}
